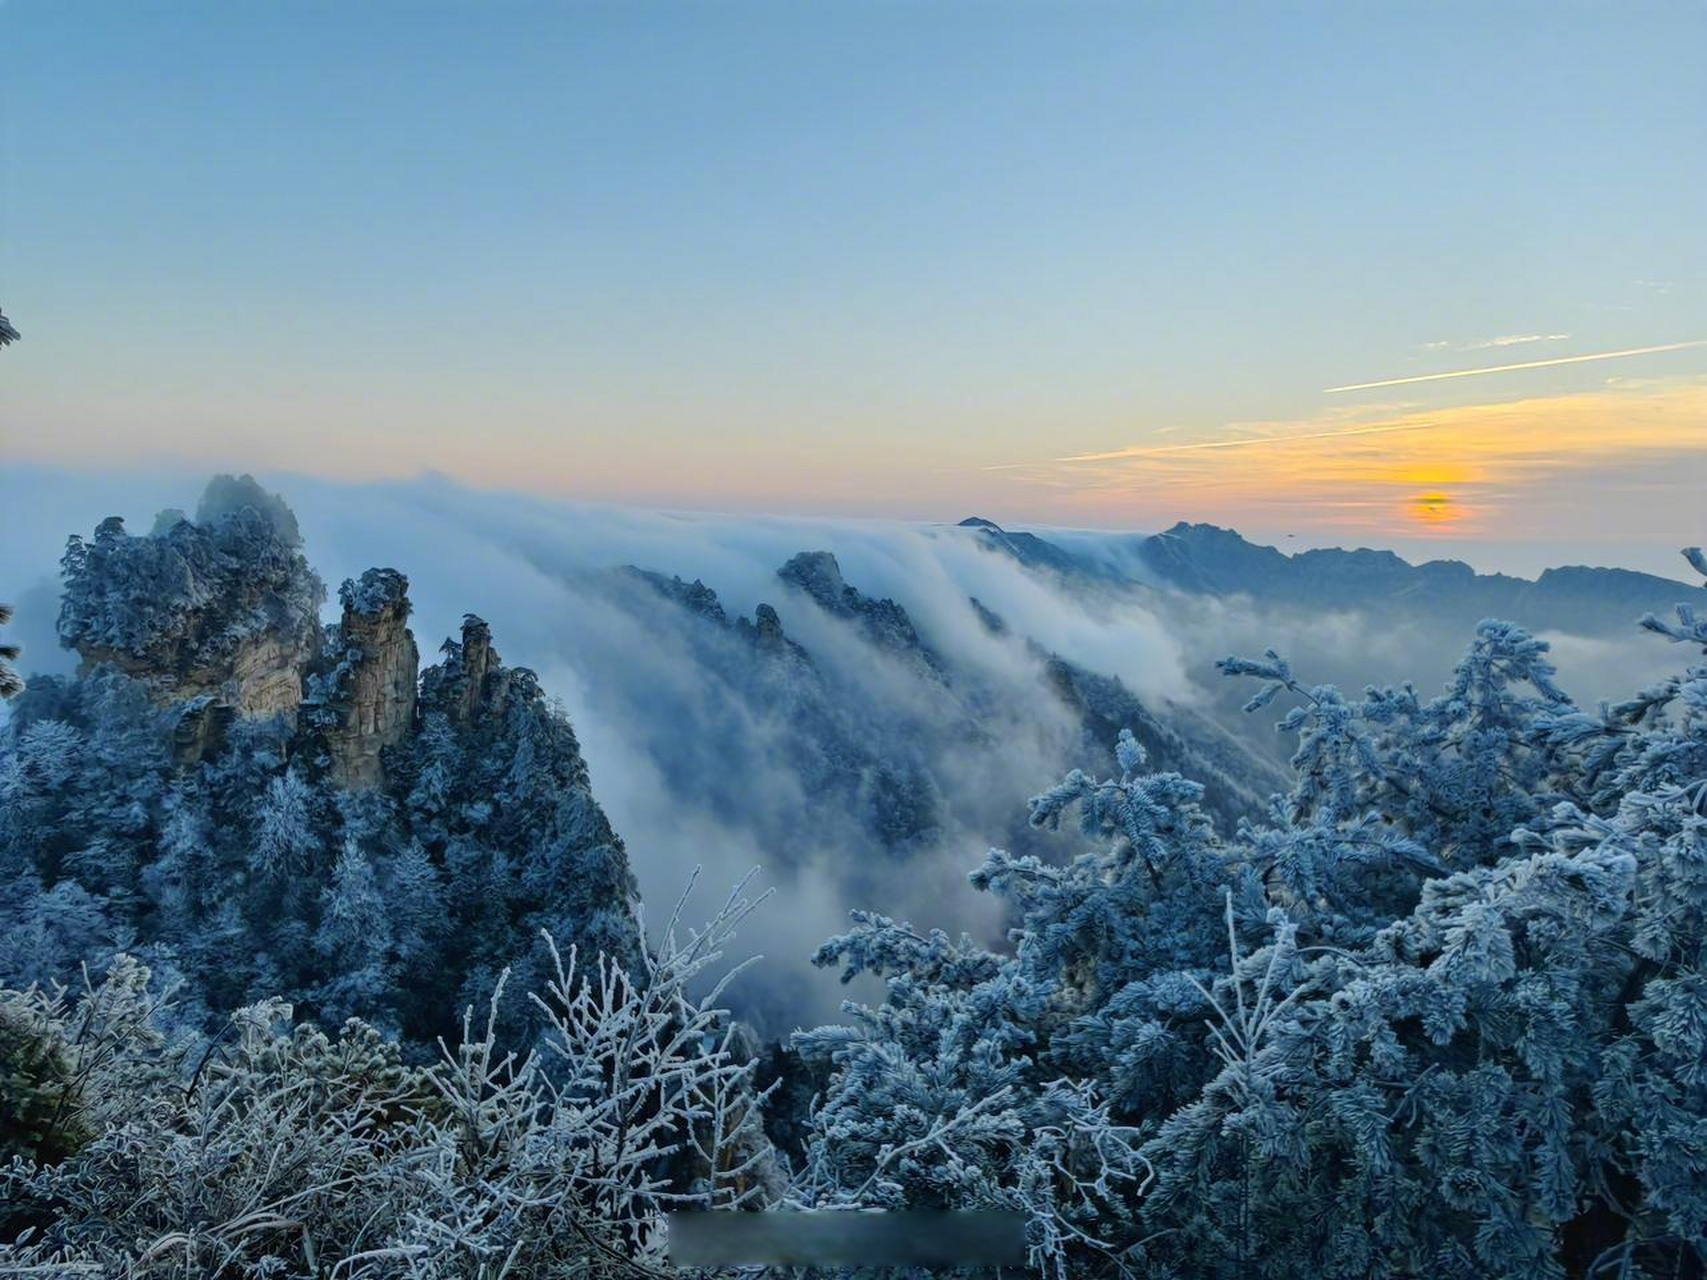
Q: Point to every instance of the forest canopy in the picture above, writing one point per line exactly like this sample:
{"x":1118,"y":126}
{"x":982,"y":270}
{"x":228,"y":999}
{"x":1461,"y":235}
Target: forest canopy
{"x":1441,"y":1009}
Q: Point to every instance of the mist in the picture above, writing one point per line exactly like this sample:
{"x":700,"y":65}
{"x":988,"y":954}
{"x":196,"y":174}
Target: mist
{"x":696,"y":765}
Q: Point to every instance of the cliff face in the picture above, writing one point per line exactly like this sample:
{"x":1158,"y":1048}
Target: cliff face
{"x":218,"y":618}
{"x":373,"y":687}
{"x":266,"y":675}
{"x":261,"y":676}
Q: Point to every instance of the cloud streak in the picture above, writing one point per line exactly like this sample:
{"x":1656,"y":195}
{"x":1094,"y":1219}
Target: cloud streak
{"x":1503,"y":340}
{"x":1514,"y":340}
{"x":1513,"y":368}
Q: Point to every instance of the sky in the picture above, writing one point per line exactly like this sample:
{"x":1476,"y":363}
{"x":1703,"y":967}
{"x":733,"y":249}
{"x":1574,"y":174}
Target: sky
{"x":1086,"y":265}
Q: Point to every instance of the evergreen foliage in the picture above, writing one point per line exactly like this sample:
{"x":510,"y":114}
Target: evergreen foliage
{"x":281,"y":1150}
{"x":1443,"y":1013}
{"x":1440,"y":1008}
{"x":199,"y":587}
{"x":10,"y":683}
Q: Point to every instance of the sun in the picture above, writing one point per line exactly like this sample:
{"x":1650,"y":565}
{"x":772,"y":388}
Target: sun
{"x":1434,"y":509}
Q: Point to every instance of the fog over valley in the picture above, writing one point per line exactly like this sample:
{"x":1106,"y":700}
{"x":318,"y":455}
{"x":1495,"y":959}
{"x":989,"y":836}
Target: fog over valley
{"x":860,"y":725}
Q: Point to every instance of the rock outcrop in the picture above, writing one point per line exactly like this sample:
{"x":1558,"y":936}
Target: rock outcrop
{"x":266,"y":676}
{"x":221,"y":612}
{"x":763,"y":632}
{"x":323,"y":812}
{"x":767,"y":633}
{"x":884,"y":622}
{"x":262,"y":676}
{"x":371,"y":692}
{"x":471,"y":686}
{"x":695,"y":596}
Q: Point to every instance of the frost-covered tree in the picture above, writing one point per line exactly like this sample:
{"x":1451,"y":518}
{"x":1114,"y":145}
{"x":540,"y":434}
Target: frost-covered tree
{"x":11,"y":684}
{"x":355,"y":932}
{"x":1442,"y":1013}
{"x":1003,"y":1080}
{"x":285,"y":839}
{"x":197,"y":587}
{"x":279,"y":1149}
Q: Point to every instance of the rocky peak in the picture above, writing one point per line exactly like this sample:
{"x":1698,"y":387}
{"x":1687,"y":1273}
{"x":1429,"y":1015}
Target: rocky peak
{"x":820,"y":577}
{"x":884,"y":622}
{"x":478,"y":655}
{"x":221,"y":611}
{"x":1205,"y":557}
{"x":370,"y":694}
{"x":377,"y":594}
{"x":471,"y":687}
{"x":695,"y":596}
{"x":482,"y":689}
{"x":1029,"y":549}
{"x":767,"y":628}
{"x":765,"y":634}
{"x":763,"y":631}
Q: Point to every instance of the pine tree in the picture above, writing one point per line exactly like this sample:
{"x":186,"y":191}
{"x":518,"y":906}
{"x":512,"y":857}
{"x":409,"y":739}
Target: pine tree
{"x":11,"y":684}
{"x":355,"y":933}
{"x":285,"y":839}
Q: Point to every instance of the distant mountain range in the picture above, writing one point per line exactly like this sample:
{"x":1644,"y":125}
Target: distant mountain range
{"x":1204,"y":559}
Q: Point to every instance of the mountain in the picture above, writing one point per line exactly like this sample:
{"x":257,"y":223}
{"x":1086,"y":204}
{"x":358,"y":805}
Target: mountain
{"x":888,"y":753}
{"x":778,"y":713}
{"x":1237,"y":781}
{"x":819,"y":577}
{"x":272,"y":808}
{"x":1029,"y":549}
{"x":1204,"y":559}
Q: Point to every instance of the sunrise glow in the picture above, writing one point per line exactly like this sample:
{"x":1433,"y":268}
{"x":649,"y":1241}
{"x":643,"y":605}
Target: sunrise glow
{"x":911,"y":263}
{"x":1516,"y":466}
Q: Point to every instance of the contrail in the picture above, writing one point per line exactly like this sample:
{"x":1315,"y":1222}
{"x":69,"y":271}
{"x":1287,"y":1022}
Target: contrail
{"x":1248,"y":442}
{"x":1509,"y":368}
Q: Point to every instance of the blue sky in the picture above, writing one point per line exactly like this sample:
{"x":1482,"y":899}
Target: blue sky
{"x":875,"y":258}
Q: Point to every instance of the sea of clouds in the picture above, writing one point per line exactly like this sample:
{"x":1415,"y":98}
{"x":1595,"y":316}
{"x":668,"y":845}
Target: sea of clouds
{"x":690,"y":773}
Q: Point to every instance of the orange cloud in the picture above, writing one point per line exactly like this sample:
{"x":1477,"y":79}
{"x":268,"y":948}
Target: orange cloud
{"x":1515,"y":468}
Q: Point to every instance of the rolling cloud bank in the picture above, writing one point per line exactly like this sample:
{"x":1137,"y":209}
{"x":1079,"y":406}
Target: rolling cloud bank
{"x":863,"y":724}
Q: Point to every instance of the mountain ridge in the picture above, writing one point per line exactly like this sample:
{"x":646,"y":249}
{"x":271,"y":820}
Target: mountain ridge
{"x":1207,"y":559}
